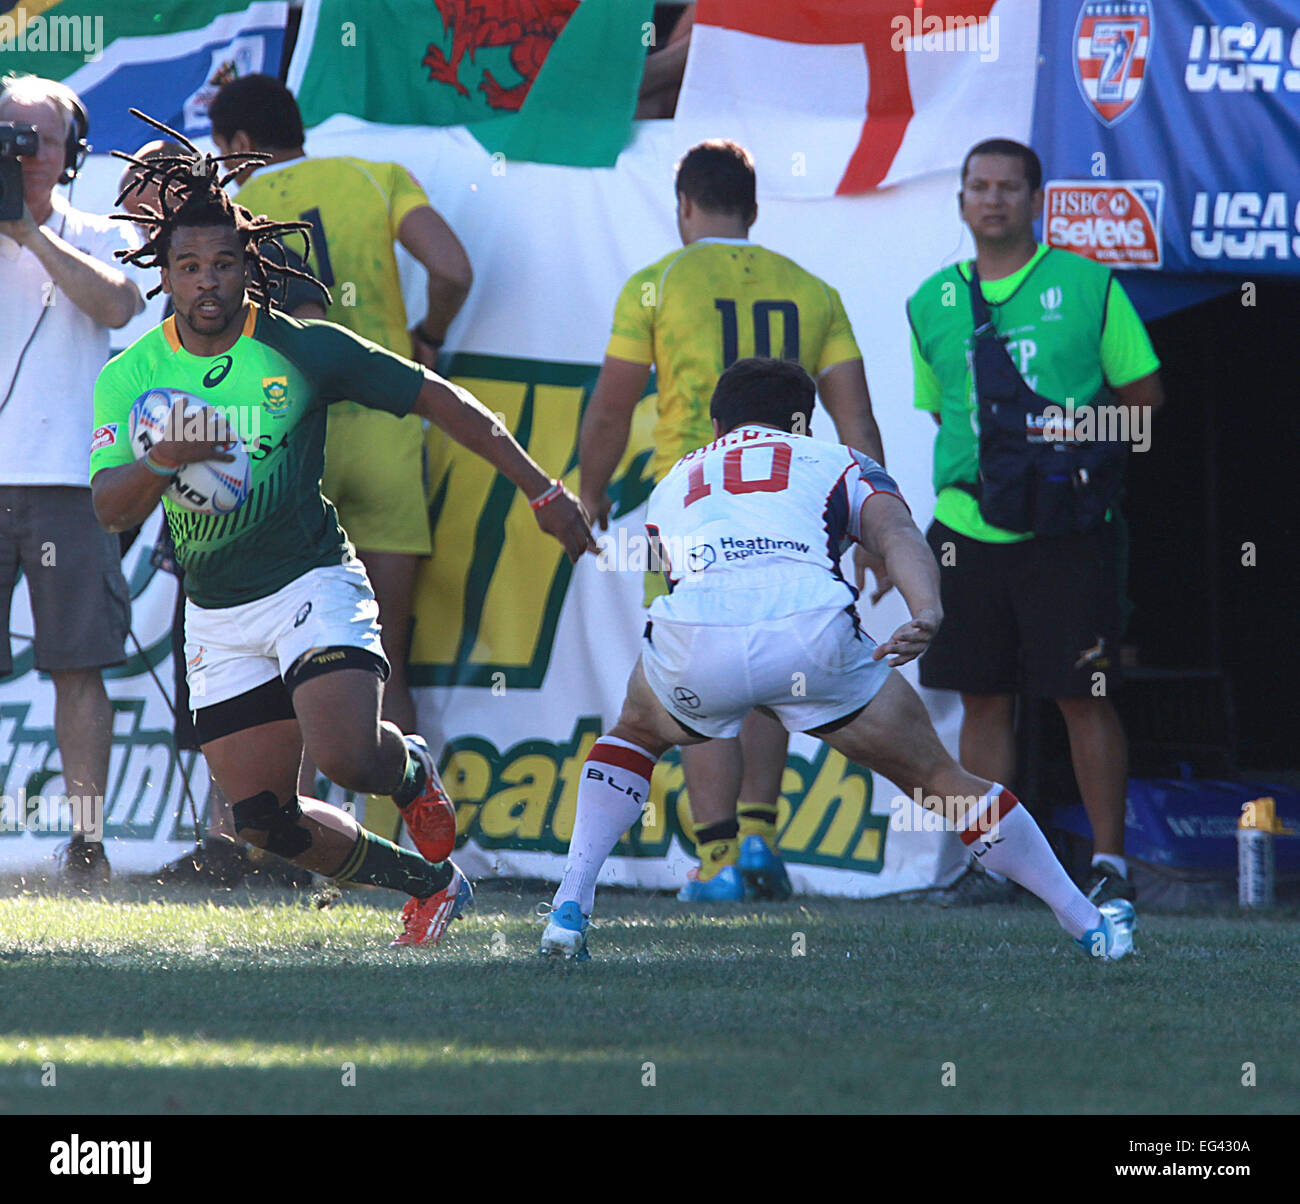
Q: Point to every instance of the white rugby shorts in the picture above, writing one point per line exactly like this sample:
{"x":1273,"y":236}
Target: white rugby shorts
{"x":810,"y":669}
{"x":231,"y":650}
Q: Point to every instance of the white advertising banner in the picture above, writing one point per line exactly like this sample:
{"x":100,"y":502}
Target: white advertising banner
{"x":518,"y":660}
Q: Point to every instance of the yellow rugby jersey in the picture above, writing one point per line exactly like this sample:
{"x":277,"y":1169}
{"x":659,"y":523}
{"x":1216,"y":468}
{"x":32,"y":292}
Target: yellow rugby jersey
{"x":697,"y":310}
{"x":355,"y":208}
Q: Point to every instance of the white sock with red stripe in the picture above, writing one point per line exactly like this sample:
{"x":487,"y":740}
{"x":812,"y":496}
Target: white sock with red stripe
{"x":615,"y":785}
{"x":1003,"y":835}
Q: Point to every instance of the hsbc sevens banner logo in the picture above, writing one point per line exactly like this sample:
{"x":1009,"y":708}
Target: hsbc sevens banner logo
{"x":1112,"y":42}
{"x":1115,"y":222}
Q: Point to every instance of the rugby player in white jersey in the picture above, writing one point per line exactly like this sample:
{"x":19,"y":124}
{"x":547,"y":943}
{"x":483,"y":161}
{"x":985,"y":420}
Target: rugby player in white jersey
{"x":752,"y":528}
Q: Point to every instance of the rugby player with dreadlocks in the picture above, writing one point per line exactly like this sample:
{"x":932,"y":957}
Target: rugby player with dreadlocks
{"x":282,"y":642}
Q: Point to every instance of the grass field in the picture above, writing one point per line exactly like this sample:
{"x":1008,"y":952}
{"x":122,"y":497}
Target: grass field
{"x":154,"y":1000}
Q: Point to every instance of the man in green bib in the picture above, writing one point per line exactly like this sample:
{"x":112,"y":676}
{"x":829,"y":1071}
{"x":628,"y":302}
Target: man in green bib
{"x":1024,"y":612}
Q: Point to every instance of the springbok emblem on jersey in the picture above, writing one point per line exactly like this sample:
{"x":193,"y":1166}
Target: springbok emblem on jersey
{"x":1112,"y":42}
{"x":276,"y":391}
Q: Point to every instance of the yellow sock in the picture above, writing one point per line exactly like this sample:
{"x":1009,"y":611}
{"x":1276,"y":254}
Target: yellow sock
{"x":716,"y":855}
{"x":758,"y":819}
{"x":382,"y":817}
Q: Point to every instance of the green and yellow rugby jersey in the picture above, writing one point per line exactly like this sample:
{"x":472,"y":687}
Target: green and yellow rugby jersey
{"x":697,"y":310}
{"x":277,"y":380}
{"x":1069,"y":327}
{"x":355,"y":208}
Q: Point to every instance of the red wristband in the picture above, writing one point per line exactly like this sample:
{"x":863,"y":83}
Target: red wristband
{"x":550,"y":495}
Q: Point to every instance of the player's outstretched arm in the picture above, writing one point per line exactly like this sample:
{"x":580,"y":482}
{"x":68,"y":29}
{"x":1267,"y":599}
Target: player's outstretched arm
{"x":888,"y":531}
{"x":605,"y":426}
{"x":458,"y":412}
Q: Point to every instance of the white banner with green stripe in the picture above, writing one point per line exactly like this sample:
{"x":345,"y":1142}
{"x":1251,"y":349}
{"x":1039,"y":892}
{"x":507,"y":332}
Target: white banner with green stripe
{"x":519,"y":661}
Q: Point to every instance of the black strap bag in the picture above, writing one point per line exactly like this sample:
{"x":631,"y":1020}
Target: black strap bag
{"x":1034,"y":477}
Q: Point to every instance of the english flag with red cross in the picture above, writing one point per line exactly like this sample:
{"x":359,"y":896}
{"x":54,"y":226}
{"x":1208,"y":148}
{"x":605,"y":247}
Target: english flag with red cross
{"x":844,"y":96}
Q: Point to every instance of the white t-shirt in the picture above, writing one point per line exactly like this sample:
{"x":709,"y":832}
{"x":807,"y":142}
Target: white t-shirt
{"x":45,"y":427}
{"x":754,"y":524}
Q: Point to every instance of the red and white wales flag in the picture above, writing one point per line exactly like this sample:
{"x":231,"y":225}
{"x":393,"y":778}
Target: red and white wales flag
{"x":843,"y":96}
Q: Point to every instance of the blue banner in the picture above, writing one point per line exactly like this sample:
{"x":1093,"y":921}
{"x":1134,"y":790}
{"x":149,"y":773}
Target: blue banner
{"x":1170,"y":133}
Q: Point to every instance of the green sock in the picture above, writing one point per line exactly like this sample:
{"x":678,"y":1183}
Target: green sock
{"x":378,"y":862}
{"x":412,"y":784}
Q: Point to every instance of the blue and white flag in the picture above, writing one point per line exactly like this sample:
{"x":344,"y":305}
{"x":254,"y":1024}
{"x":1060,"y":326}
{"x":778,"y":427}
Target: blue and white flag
{"x":168,"y":60}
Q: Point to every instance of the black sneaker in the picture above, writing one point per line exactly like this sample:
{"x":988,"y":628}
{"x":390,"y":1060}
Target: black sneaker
{"x":83,"y":864}
{"x":1107,"y":883}
{"x":973,"y":889}
{"x":214,"y":862}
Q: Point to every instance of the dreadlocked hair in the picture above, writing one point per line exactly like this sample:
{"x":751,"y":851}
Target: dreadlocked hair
{"x":191,"y":192}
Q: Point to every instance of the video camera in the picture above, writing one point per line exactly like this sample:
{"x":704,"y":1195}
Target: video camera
{"x":16,"y":138}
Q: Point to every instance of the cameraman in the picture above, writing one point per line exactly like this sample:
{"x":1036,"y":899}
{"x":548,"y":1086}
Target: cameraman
{"x":62,"y":294}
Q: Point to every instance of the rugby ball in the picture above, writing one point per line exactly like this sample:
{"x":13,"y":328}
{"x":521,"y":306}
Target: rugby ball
{"x":208,"y":487}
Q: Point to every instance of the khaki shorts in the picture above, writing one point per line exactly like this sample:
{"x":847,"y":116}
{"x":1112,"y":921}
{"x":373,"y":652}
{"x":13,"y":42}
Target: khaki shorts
{"x":80,"y":603}
{"x":375,"y":476}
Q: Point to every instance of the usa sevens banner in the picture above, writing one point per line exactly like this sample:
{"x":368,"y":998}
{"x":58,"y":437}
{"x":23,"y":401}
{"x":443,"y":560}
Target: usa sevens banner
{"x":1170,"y":133}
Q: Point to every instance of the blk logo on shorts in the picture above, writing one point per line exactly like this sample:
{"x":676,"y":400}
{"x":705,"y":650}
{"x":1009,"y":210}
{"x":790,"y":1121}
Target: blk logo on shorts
{"x":684,"y":698}
{"x":302,"y":615}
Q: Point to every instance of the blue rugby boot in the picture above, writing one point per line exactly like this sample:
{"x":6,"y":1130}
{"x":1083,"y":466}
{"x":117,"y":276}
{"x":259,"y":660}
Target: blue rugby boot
{"x":726,"y":886}
{"x":566,"y":933}
{"x":1114,"y":939}
{"x":762,"y":871}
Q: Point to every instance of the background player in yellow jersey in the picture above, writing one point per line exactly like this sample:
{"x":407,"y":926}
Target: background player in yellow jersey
{"x":374,"y":462}
{"x":691,"y":315}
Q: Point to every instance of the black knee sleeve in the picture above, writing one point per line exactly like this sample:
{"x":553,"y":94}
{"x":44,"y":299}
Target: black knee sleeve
{"x":264,"y":813}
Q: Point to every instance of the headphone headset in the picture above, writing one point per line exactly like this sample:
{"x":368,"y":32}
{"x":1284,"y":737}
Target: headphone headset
{"x":75,"y":146}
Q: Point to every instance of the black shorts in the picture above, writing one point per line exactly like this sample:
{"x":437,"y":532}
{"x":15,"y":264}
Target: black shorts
{"x":1040,"y":616}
